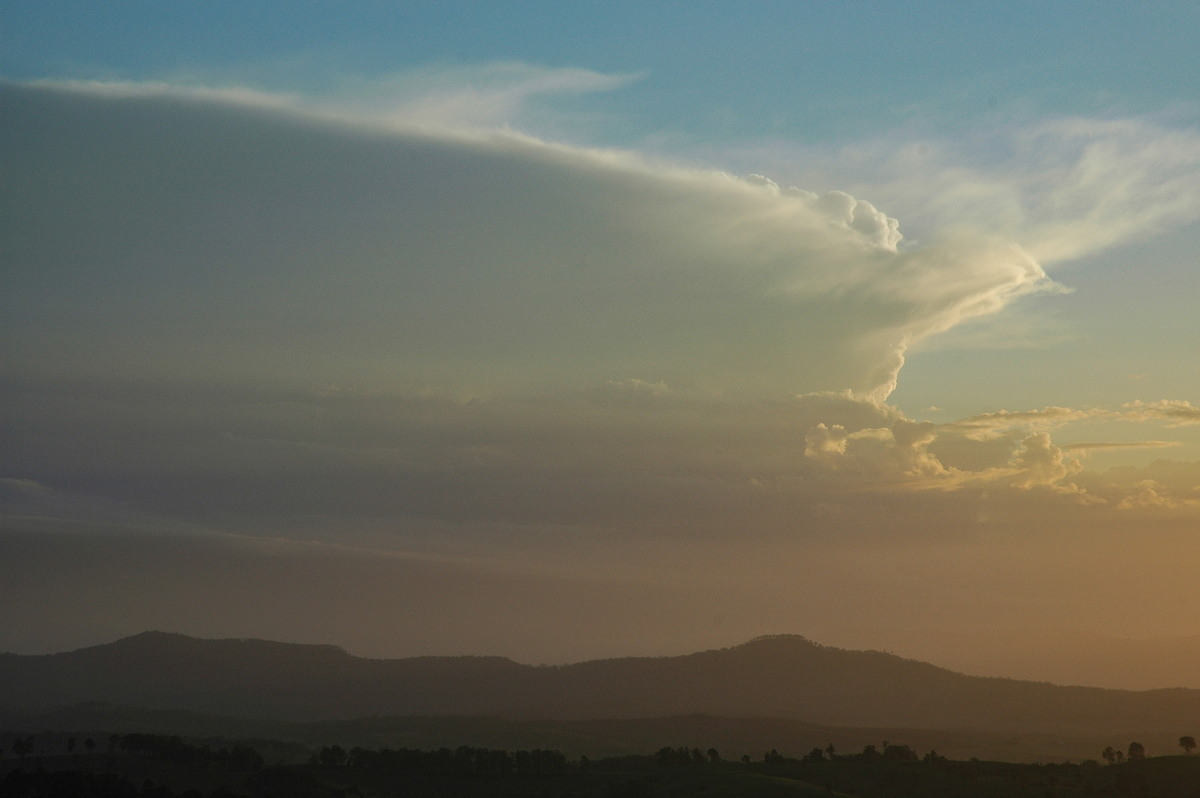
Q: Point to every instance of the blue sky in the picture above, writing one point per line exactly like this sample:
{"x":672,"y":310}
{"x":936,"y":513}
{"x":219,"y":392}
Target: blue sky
{"x":709,"y":70}
{"x":672,"y":309}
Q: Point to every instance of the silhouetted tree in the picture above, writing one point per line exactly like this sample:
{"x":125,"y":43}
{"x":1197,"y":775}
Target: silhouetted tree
{"x":89,"y":744}
{"x":22,"y":746}
{"x":333,"y":755}
{"x":830,"y":751}
{"x":1136,"y":751}
{"x":714,"y":756}
{"x":899,"y":753}
{"x":1187,"y":743}
{"x":815,"y":755}
{"x":548,"y":760}
{"x":243,"y":757}
{"x":1109,"y":755}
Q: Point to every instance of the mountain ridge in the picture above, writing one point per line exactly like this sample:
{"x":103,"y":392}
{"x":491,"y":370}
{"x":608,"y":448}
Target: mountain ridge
{"x":787,"y":676}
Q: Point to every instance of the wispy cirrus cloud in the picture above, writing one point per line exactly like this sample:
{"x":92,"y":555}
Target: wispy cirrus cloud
{"x":1063,"y":187}
{"x":473,"y":95}
{"x":997,"y":423}
{"x":1095,"y":446}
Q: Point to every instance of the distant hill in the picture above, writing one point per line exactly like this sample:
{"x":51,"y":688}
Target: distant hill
{"x":1062,"y":656}
{"x":779,"y":677}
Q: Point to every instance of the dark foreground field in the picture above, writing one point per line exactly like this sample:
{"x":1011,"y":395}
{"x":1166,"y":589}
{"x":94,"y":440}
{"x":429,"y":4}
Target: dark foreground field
{"x":165,"y":766}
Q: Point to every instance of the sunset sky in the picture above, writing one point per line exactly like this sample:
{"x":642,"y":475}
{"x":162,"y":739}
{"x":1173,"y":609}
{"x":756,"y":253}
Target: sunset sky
{"x":571,"y":330}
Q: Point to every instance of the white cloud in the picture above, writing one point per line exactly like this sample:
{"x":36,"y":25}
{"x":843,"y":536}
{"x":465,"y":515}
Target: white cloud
{"x":825,"y":443}
{"x":862,"y":216}
{"x":1150,"y":494}
{"x":1175,"y":412}
{"x":1039,"y":463}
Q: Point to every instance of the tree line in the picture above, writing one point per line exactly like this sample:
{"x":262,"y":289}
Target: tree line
{"x":672,"y":757}
{"x":1137,"y":751}
{"x":464,"y":760}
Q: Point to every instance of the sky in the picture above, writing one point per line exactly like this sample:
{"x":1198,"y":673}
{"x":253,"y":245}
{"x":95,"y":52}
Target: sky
{"x":574,"y":330}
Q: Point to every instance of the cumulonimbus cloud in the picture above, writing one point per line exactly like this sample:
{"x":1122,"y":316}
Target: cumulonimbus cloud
{"x":162,"y":232}
{"x":223,"y":308}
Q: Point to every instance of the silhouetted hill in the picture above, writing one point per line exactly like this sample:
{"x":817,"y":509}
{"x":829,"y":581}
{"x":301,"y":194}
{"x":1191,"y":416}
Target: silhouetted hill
{"x":1062,"y":656}
{"x":246,"y":678}
{"x":783,"y":677}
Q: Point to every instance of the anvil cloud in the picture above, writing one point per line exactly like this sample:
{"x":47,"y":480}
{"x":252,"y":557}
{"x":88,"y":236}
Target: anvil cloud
{"x":265,"y":244}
